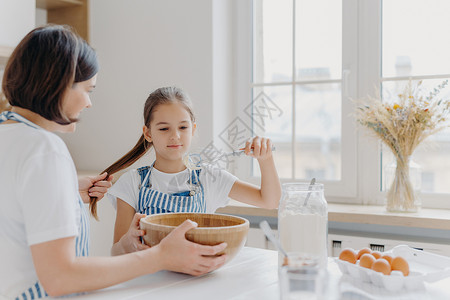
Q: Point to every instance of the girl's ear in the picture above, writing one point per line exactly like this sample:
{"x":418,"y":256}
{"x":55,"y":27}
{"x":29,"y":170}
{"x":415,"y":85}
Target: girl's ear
{"x":194,"y":127}
{"x":147,"y":135}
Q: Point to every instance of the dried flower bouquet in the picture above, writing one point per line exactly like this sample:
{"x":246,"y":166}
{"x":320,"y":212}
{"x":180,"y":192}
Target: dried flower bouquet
{"x":402,"y":124}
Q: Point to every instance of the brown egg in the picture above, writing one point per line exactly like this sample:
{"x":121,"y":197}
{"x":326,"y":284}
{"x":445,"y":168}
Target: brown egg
{"x":381,"y":265}
{"x":388,"y":257}
{"x":400,"y":264}
{"x":348,"y":254}
{"x":366,"y":260}
{"x":376,"y":254}
{"x":363,"y":251}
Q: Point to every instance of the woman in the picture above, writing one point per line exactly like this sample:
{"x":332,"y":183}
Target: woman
{"x":43,"y":223}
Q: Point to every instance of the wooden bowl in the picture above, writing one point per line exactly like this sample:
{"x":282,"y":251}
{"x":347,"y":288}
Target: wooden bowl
{"x":212,"y":229}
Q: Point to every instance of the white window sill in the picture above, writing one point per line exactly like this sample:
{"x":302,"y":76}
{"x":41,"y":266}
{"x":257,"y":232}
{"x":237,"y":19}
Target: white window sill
{"x":362,"y":214}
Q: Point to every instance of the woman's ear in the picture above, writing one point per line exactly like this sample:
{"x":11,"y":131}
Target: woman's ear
{"x":194,"y":127}
{"x":147,"y":135}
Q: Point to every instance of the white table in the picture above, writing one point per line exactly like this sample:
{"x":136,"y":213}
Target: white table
{"x":248,"y":273}
{"x":252,"y":274}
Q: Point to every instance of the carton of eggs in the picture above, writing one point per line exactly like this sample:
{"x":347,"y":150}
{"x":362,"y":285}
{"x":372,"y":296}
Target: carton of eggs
{"x":374,"y":260}
{"x":401,"y":267}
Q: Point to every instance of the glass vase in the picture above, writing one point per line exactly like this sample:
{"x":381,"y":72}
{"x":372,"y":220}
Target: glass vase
{"x":403,"y":181}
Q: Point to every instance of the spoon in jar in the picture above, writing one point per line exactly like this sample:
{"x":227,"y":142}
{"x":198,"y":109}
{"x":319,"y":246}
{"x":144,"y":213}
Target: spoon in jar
{"x":313,"y":181}
{"x":269,"y":234}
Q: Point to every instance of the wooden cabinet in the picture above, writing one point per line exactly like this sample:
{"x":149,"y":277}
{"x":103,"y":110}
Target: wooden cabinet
{"x":70,"y":12}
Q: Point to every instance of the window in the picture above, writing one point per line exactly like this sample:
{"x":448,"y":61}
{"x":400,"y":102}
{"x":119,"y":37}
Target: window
{"x":310,"y":58}
{"x":304,"y":81}
{"x":414,"y":45}
{"x":297,"y":59}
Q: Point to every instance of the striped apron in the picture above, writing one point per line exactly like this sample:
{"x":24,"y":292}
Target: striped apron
{"x":36,"y":291}
{"x":152,"y":201}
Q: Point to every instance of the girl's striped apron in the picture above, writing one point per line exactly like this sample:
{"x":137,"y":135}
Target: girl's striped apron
{"x":36,"y":291}
{"x":154,"y":202}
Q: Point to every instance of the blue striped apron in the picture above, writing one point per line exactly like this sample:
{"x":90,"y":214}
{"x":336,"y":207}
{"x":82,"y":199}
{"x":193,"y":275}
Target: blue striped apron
{"x":152,"y":201}
{"x":36,"y":291}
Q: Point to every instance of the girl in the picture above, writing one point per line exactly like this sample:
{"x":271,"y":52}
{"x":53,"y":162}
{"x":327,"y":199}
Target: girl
{"x":167,"y":185}
{"x":43,"y":223}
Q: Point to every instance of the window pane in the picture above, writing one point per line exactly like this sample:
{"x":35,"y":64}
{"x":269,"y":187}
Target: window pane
{"x":318,"y":131}
{"x":272,"y":41}
{"x":318,"y":34}
{"x":433,"y":155}
{"x":415,"y":37}
{"x":275,"y":122}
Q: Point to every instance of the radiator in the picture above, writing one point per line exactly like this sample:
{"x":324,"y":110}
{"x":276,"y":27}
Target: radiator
{"x":337,"y":242}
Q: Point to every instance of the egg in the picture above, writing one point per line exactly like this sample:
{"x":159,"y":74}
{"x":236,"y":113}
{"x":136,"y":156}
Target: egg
{"x":376,"y":254}
{"x":366,"y":260}
{"x":400,"y":264}
{"x":381,"y":265}
{"x":396,"y":273}
{"x":348,"y":254}
{"x":363,"y":251}
{"x":388,"y":257}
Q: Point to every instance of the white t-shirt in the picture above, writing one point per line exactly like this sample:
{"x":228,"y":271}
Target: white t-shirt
{"x":216,"y":182}
{"x":38,"y":200}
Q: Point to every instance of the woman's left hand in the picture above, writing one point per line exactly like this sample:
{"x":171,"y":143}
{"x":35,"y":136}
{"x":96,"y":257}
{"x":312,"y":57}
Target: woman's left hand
{"x":262,"y":148}
{"x":94,"y":186}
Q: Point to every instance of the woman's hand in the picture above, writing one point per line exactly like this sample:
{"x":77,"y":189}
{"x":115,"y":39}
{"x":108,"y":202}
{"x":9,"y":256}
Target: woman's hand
{"x":262,"y":148}
{"x":130,"y":241}
{"x":94,"y":186}
{"x":180,"y":255}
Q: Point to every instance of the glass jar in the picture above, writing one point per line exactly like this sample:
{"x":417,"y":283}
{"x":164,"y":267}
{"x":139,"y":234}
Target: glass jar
{"x":403,"y":182}
{"x":302,"y":278}
{"x":303,"y":220}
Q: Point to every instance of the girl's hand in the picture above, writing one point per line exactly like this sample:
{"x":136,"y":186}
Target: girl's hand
{"x":180,"y":255}
{"x":262,"y":148}
{"x":94,"y":186}
{"x":130,"y":241}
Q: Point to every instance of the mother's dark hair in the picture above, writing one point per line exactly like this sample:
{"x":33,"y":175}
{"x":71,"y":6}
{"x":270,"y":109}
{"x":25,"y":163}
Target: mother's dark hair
{"x":48,"y":61}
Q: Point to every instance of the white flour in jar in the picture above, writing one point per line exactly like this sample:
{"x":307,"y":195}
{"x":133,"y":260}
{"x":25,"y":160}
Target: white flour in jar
{"x":305,"y":233}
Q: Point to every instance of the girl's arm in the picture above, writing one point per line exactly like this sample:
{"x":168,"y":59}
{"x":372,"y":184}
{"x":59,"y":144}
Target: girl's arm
{"x":126,"y":230}
{"x":269,"y":194}
{"x":61,"y":272}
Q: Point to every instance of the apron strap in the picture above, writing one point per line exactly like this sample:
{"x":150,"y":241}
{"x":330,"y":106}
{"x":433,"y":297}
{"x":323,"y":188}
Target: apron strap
{"x":9,"y":115}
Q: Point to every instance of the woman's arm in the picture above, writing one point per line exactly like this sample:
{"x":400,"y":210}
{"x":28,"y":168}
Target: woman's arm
{"x":126,"y":230}
{"x":269,"y":194}
{"x":61,"y":272}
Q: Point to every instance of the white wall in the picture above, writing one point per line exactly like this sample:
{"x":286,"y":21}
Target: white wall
{"x":143,"y":45}
{"x":223,"y":67}
{"x":16,"y":20}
